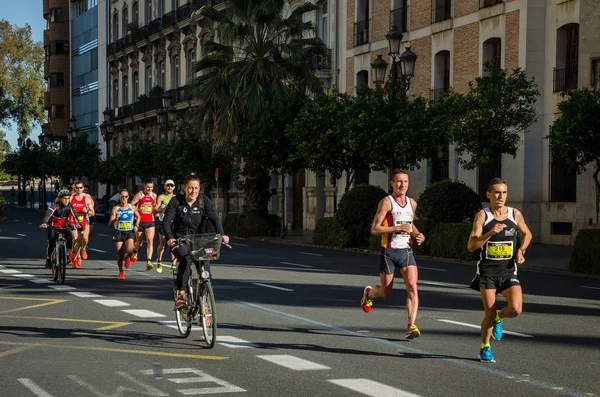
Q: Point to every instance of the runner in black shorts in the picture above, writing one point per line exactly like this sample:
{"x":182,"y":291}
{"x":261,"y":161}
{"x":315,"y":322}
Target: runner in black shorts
{"x":126,"y":218}
{"x":495,"y":233}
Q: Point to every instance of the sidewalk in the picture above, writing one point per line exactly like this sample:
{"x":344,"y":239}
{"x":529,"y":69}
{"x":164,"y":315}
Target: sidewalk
{"x":544,"y":257}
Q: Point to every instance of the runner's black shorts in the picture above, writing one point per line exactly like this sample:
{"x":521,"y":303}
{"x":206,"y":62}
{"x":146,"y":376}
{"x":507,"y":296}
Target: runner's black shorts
{"x":145,"y":225}
{"x":121,"y":236}
{"x":392,"y":259}
{"x":499,"y":283}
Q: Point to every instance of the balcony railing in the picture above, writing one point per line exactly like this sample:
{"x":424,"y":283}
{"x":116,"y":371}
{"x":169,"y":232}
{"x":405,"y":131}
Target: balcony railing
{"x":399,"y":17}
{"x":442,"y":12}
{"x":361,"y":32}
{"x":155,"y":26}
{"x":565,"y":78}
{"x":488,"y":3}
{"x":322,"y":62}
{"x":147,"y":104}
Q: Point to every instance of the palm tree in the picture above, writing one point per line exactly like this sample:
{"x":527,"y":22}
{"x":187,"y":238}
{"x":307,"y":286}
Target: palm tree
{"x":264,"y":55}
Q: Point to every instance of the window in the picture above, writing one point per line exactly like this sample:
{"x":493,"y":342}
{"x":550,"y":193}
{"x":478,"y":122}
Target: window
{"x":361,"y":27}
{"x":161,"y":71}
{"x":175,"y":72}
{"x":48,"y":83}
{"x":441,"y":10}
{"x":125,"y":89}
{"x":115,"y":27}
{"x":161,"y":7}
{"x":174,"y":5}
{"x":56,"y":15}
{"x":125,"y":21}
{"x":148,"y":79}
{"x":399,"y":15}
{"x":561,"y":228}
{"x":62,"y":47}
{"x":488,"y":3}
{"x":58,"y":79}
{"x":191,"y":62}
{"x":596,"y":73}
{"x":567,"y":58}
{"x":57,"y":112}
{"x":492,"y":51}
{"x":362,"y":79}
{"x":322,"y":26}
{"x":136,"y":86}
{"x":115,"y":93}
{"x":148,"y":11}
{"x":441,"y":78}
{"x":47,"y":52}
{"x":136,"y":13}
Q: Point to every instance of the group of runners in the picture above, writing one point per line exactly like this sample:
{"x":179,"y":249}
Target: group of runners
{"x":494,"y":232}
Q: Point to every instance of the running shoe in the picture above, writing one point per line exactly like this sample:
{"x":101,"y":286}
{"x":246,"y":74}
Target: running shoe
{"x":366,"y":302}
{"x":72,"y":257}
{"x":497,"y":330}
{"x":158,"y":267}
{"x":180,"y":303}
{"x":134,"y":256}
{"x":127,"y":262}
{"x":121,"y":275}
{"x":486,"y":355}
{"x":84,"y":254}
{"x":149,"y":266}
{"x":78,"y":261}
{"x":412,"y":332}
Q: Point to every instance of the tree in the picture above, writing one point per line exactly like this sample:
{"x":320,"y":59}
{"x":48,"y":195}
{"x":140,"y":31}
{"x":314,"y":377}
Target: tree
{"x":21,"y":77}
{"x":265,"y":54}
{"x":575,"y":135}
{"x":77,"y":157}
{"x":489,"y":120}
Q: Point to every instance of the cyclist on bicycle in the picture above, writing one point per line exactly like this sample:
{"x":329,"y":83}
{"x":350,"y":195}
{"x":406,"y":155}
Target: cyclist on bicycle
{"x":186,"y":214}
{"x":59,"y":216}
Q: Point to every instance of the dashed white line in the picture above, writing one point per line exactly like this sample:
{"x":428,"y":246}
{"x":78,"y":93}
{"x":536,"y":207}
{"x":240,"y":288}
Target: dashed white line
{"x":240,"y":244}
{"x":34,"y":388}
{"x":433,"y":268}
{"x":111,"y":302}
{"x":587,"y":286}
{"x":24,"y":275}
{"x":371,"y":388}
{"x":295,"y":264}
{"x":294,"y":363}
{"x":31,"y":223}
{"x":235,"y":343}
{"x":9,"y":271}
{"x":310,"y":253}
{"x":96,"y":250}
{"x":439,"y":284}
{"x":41,"y":281}
{"x":173,"y":324}
{"x":84,"y":294}
{"x":2,"y":267}
{"x":143,"y":313}
{"x":272,"y":286}
{"x":61,"y":287}
{"x":21,"y":235}
{"x":479,"y":327}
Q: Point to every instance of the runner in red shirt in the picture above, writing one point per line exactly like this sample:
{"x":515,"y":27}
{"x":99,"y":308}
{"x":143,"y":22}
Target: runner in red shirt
{"x":145,"y":201}
{"x":83,"y":207}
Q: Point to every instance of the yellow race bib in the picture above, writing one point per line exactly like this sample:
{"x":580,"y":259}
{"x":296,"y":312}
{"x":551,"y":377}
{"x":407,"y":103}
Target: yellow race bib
{"x":79,"y":217}
{"x":400,"y":223}
{"x":146,"y":209}
{"x":125,"y":226}
{"x":499,"y":250}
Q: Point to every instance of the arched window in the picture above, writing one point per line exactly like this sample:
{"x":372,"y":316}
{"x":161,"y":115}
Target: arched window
{"x":125,"y":90}
{"x":175,"y":71}
{"x":115,"y":30}
{"x":441,"y":77}
{"x":136,"y":13}
{"x":362,"y":79}
{"x":115,"y":97}
{"x":148,"y":79}
{"x":492,"y":51}
{"x":136,"y":86}
{"x":161,"y":71}
{"x":125,"y":21}
{"x":567,"y":58}
{"x":190,"y":63}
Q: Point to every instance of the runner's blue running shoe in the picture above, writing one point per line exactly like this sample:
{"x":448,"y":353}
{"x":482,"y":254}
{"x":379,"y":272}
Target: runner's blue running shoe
{"x":486,"y":355}
{"x":497,"y":330}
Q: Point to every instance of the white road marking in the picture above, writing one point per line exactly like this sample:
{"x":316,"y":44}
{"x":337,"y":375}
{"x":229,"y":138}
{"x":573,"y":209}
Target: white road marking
{"x":479,"y":327}
{"x":432,"y":268}
{"x":173,"y":324}
{"x":105,"y":235}
{"x":30,"y":223}
{"x":2,"y":267}
{"x":272,"y":286}
{"x":235,"y":343}
{"x":587,"y":286}
{"x":24,"y":275}
{"x":371,"y":388}
{"x":111,"y":302}
{"x":295,"y":264}
{"x":241,"y":245}
{"x":94,"y":249}
{"x":22,"y":235}
{"x":439,"y":284}
{"x":84,"y":294}
{"x":291,"y":362}
{"x":143,"y":313}
{"x":16,"y":220}
{"x":61,"y":287}
{"x":9,"y":271}
{"x":199,"y":377}
{"x":310,"y":253}
{"x":41,"y":281}
{"x":34,"y":388}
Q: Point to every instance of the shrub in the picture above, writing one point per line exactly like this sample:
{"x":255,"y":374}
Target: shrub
{"x":356,"y":211}
{"x":446,"y":202}
{"x":586,"y":252}
{"x":449,"y":240}
{"x":329,"y":233}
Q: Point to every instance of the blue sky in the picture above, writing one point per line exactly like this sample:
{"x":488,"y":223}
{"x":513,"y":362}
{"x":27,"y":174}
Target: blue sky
{"x":19,"y":13}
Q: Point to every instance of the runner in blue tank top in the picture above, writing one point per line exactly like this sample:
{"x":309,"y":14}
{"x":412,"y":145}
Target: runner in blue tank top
{"x":495,"y":233}
{"x":126,"y":219}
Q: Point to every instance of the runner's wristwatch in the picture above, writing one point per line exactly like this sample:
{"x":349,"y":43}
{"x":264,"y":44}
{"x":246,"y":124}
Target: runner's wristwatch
{"x":522,"y":251}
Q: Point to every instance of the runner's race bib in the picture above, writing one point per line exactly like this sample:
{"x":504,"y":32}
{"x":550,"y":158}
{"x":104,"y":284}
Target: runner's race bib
{"x":125,"y":226}
{"x":79,"y":217}
{"x":400,"y":223}
{"x":146,"y":209}
{"x":499,"y":250}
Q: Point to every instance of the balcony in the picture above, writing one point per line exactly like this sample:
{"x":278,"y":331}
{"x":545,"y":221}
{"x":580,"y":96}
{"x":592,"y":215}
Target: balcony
{"x":155,"y":26}
{"x":322,"y":62}
{"x":361,"y":32}
{"x":565,"y":78}
{"x":442,"y":12}
{"x":399,"y":17}
{"x":489,"y":3}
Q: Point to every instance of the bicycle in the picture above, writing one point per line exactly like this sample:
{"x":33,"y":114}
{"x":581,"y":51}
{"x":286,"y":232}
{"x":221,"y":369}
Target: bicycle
{"x":58,"y":259}
{"x":201,"y":306}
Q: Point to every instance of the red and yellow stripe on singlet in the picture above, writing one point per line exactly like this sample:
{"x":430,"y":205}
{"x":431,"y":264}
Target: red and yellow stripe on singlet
{"x":386,"y":239}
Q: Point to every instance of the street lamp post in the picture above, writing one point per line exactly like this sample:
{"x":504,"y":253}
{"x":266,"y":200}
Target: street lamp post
{"x":403,"y":65}
{"x":107,"y":128}
{"x":20,"y":176}
{"x":167,"y":116}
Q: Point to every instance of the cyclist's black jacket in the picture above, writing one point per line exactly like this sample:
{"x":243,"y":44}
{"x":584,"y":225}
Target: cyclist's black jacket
{"x":182,"y":219}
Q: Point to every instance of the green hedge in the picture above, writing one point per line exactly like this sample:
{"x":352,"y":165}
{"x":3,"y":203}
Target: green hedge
{"x":449,"y":240}
{"x":329,"y":233}
{"x":586,"y":252}
{"x":237,"y":224}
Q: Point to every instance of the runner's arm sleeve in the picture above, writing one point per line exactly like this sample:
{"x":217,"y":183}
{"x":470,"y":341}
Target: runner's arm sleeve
{"x":213,"y":216}
{"x":170,"y":213}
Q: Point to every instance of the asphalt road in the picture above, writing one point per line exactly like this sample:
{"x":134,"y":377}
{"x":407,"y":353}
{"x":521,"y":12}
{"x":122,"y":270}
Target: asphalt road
{"x":289,"y":323}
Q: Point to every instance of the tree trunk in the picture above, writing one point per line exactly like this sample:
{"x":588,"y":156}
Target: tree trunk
{"x":257,"y":196}
{"x":283,"y":230}
{"x":596,"y":172}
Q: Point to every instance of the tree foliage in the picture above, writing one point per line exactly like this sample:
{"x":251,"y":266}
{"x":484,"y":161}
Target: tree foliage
{"x":575,"y":135}
{"x":488,"y":120}
{"x":21,"y":77}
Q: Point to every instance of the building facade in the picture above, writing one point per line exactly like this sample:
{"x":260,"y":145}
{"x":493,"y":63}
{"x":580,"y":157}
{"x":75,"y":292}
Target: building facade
{"x":56,"y":66}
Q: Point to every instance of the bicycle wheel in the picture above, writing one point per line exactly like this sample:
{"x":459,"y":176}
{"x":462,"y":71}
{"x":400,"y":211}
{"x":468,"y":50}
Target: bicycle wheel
{"x":183,"y":317}
{"x":62,"y":264}
{"x":54,"y":264}
{"x":207,"y":314}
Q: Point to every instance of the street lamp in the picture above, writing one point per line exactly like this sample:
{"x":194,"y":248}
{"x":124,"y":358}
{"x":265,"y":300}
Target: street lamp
{"x":403,"y":65}
{"x":72,"y":133}
{"x":20,"y":176}
{"x":107,"y":129}
{"x":167,"y":114}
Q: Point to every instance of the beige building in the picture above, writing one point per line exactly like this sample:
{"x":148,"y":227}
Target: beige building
{"x":555,"y":41}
